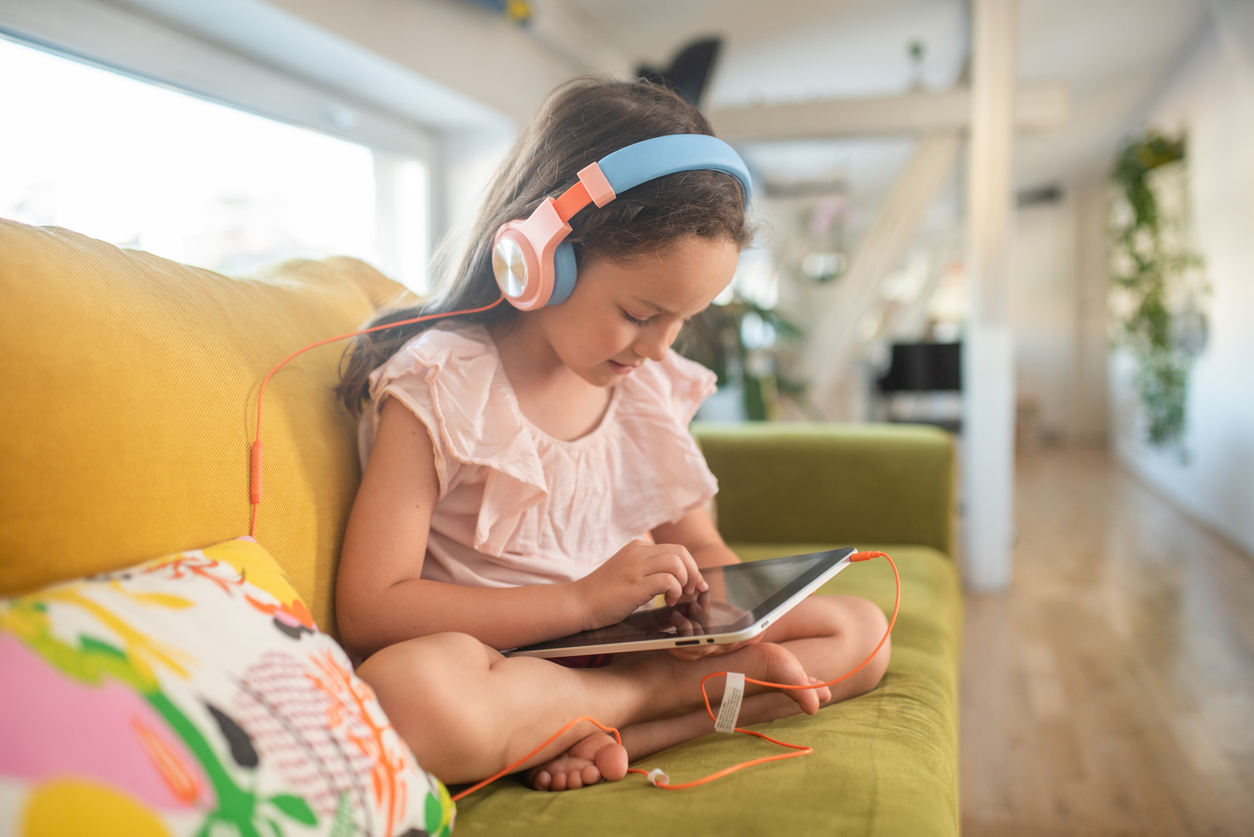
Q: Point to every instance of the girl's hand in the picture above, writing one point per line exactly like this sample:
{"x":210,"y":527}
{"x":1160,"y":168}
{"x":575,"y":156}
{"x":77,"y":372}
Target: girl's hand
{"x":637,"y":572}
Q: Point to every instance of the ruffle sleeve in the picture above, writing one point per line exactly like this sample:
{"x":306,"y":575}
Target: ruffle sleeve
{"x":453,"y":383}
{"x":690,"y":384}
{"x":673,"y":476}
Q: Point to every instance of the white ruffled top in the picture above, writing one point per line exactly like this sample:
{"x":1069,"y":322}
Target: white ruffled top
{"x":517,"y":506}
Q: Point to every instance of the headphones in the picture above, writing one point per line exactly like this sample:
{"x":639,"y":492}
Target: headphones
{"x":535,"y":266}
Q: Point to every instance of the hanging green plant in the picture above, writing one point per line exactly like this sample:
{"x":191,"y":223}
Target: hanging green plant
{"x":1158,"y":285}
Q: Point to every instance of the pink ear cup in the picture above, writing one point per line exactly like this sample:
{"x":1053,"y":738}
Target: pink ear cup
{"x":514,"y":265}
{"x":523,"y":253}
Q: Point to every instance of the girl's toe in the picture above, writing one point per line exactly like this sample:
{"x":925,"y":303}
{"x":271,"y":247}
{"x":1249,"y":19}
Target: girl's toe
{"x":541,"y":780}
{"x":590,"y":774}
{"x":574,"y":780}
{"x":611,"y":763}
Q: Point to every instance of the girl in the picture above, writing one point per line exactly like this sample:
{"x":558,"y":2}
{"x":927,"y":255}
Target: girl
{"x":529,"y":474}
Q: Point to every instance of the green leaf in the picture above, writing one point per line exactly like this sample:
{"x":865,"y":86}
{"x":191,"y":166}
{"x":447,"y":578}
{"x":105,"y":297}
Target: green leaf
{"x":92,"y":645}
{"x":434,"y":813}
{"x":295,"y":807}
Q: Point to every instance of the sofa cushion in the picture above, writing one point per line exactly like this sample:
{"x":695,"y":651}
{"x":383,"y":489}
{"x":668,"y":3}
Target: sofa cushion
{"x":191,"y":694}
{"x":884,"y":763}
{"x":129,"y":385}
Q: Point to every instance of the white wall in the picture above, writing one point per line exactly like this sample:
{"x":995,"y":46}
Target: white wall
{"x":1043,"y":316}
{"x":1212,"y":97}
{"x":1058,"y":282}
{"x":1089,"y":415}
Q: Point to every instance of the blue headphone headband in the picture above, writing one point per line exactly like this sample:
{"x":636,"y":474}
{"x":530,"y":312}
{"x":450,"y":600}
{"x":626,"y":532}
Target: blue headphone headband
{"x":653,"y":158}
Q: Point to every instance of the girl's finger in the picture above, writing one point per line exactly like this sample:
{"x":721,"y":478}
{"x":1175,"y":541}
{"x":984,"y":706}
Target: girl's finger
{"x":664,"y":583}
{"x":695,"y":583}
{"x":668,"y":562}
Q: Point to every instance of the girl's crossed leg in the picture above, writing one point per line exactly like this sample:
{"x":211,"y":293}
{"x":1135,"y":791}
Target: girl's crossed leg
{"x":467,"y":711}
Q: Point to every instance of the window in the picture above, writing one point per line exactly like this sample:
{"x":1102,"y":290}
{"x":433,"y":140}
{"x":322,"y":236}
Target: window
{"x":152,"y":168}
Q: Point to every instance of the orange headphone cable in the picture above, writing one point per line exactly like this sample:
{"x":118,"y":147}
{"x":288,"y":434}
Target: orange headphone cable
{"x":255,"y":457}
{"x":662,"y":781}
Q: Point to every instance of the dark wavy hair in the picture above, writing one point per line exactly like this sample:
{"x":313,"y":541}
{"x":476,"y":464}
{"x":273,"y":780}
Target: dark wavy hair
{"x":581,"y":121}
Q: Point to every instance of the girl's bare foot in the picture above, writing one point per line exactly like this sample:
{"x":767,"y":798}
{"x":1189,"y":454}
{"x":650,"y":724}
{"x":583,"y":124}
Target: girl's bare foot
{"x":780,"y":666}
{"x":592,"y":759}
{"x":764,"y":661}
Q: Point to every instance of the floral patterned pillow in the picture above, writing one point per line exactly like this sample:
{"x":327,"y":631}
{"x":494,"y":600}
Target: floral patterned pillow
{"x":193,"y":695}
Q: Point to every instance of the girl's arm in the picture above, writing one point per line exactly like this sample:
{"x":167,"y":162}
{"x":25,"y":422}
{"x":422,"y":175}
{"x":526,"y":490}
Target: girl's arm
{"x":381,"y":598}
{"x":697,"y":532}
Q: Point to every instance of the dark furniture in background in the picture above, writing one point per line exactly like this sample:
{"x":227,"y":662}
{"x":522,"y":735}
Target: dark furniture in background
{"x":917,"y":369}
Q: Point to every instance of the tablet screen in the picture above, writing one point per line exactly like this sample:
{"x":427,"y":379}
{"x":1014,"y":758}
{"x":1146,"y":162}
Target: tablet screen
{"x":739,"y":596}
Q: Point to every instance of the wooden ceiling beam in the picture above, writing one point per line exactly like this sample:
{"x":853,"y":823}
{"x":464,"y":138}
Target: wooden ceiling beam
{"x":1037,"y":108}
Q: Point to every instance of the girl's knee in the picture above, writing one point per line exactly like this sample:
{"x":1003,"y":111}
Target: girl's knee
{"x":848,"y":616}
{"x":429,"y":688}
{"x":871,"y":625}
{"x":423,"y":659}
{"x":870,"y":618}
{"x":859,"y":624}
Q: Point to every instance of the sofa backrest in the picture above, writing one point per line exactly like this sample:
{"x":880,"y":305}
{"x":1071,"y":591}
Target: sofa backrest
{"x":127,"y":408}
{"x":864,"y":485}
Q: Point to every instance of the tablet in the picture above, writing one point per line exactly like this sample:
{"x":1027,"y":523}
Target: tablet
{"x":742,"y":601}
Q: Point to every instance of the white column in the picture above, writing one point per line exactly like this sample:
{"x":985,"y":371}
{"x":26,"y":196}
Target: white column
{"x":988,"y":351}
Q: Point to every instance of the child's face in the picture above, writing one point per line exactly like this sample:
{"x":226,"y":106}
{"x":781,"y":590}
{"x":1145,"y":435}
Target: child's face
{"x":623,"y":313}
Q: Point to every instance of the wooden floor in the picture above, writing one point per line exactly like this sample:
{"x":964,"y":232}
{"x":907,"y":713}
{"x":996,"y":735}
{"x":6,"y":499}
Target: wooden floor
{"x":1111,"y":691}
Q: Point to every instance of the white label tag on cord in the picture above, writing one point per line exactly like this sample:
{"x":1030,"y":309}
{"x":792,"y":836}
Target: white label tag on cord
{"x":729,"y":709}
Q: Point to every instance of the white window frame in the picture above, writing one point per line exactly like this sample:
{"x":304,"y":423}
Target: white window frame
{"x":123,"y":42}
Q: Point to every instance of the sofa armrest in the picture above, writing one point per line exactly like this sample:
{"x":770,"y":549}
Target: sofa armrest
{"x":847,"y":484}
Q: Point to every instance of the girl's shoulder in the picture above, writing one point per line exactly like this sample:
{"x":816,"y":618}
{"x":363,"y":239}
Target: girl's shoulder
{"x":460,"y":355}
{"x":437,"y":344}
{"x":450,"y":377}
{"x":675,"y":383}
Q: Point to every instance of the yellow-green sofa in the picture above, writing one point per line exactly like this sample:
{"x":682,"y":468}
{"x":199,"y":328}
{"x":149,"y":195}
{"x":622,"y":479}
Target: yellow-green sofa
{"x":129,"y":385}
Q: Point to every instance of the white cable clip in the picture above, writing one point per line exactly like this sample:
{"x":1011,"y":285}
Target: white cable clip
{"x":729,"y":709}
{"x":658,"y":778}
